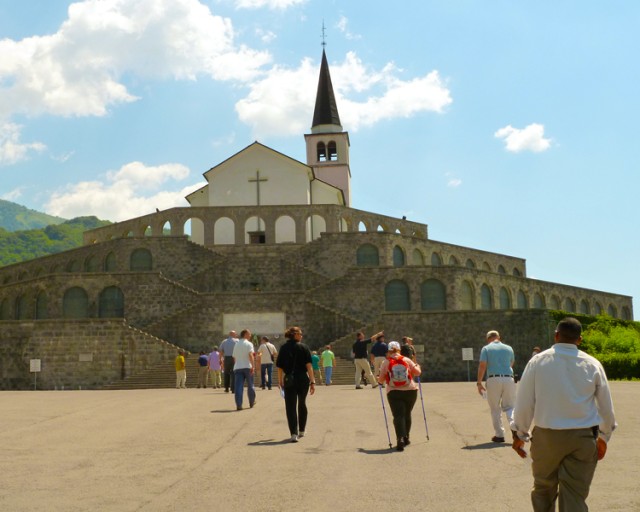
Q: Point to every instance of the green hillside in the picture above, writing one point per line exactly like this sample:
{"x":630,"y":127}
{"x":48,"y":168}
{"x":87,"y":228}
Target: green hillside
{"x":15,"y":217}
{"x":33,"y":243}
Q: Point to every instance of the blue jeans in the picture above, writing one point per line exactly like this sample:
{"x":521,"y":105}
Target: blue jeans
{"x":328,"y":370}
{"x":265,"y":375}
{"x":239,"y":377}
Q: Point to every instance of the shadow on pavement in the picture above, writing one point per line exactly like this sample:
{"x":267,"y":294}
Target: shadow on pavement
{"x":270,"y":442}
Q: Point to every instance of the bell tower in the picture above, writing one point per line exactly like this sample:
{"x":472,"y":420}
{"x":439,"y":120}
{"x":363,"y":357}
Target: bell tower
{"x":328,"y":144}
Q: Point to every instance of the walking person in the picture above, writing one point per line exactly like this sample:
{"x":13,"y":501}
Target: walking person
{"x":397,"y":372}
{"x":378,"y":354}
{"x":565,"y":393}
{"x":243,"y":369}
{"x":226,"y":351}
{"x":315,"y":364}
{"x":496,"y":360}
{"x":268,"y":355}
{"x":203,"y":370}
{"x":181,"y":370}
{"x":215,"y":367}
{"x":361,"y":359}
{"x":294,"y":363}
{"x":328,"y":363}
{"x":407,"y":349}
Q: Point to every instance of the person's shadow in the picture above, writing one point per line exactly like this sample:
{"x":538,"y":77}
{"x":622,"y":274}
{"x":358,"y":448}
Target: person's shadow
{"x":381,"y":451}
{"x":486,"y":446}
{"x":270,"y":442}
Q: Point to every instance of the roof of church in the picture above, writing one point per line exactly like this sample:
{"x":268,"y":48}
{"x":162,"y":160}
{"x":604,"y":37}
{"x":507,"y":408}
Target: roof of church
{"x":326,"y":110}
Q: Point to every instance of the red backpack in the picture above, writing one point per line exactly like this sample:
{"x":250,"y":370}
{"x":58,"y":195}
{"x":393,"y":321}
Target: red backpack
{"x":399,"y":373}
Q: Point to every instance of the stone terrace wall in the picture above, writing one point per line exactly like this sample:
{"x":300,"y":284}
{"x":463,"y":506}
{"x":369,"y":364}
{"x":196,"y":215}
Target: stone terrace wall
{"x":114,"y":349}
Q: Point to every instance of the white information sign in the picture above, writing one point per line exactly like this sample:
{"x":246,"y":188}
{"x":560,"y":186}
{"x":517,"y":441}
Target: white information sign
{"x":269,"y":324}
{"x":467,"y":354}
{"x":85,"y":358}
{"x":34,"y":365}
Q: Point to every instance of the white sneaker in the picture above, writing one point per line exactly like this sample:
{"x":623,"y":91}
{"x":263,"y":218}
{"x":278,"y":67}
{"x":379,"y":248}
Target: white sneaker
{"x":294,"y":438}
{"x":301,"y":434}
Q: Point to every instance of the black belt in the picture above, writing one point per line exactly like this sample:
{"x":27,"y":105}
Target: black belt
{"x":499,"y":376}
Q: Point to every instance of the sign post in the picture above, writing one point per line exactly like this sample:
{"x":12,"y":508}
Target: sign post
{"x":467,"y":355}
{"x":34,"y":366}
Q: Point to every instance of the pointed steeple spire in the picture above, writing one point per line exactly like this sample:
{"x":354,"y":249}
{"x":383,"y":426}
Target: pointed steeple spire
{"x":325,"y":115}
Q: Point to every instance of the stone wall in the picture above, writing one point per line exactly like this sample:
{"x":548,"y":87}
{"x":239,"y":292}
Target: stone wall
{"x":76,"y":354}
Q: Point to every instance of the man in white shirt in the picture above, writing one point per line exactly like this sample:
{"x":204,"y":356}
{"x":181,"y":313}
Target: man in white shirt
{"x":243,"y":369}
{"x":268,"y":355}
{"x":564,"y":392}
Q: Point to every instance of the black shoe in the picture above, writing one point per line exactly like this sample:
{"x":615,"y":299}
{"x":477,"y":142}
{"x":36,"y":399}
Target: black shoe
{"x":406,"y":441}
{"x":400,"y":445}
{"x":358,"y":387}
{"x":238,"y":408}
{"x":497,"y":439}
{"x":226,"y":390}
{"x":251,"y":405}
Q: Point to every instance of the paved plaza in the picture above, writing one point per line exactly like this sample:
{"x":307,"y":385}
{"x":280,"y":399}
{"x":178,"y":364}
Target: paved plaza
{"x":190,"y":450}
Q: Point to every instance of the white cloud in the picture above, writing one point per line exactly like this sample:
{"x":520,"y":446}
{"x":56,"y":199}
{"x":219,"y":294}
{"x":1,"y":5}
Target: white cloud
{"x":279,"y":104}
{"x":266,"y":36}
{"x":12,"y":195}
{"x":342,"y":26}
{"x":452,"y":181}
{"x":129,"y":192}
{"x":271,"y":4}
{"x":12,"y":150}
{"x":78,"y":70}
{"x":530,"y":138}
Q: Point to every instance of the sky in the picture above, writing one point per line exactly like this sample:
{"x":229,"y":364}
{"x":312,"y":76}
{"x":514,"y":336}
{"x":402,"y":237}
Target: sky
{"x":510,"y":127}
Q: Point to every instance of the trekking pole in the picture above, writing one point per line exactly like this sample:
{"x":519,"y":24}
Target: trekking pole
{"x":386,"y":424}
{"x":424,"y":414}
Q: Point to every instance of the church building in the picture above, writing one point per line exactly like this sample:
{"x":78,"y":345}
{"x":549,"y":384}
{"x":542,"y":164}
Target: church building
{"x":273,"y":242}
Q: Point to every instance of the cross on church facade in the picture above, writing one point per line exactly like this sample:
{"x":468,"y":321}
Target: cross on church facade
{"x":257,"y":181}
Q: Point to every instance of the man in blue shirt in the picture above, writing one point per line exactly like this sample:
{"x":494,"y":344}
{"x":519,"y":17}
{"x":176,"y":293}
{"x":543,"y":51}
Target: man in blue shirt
{"x":496,"y":360}
{"x":378,"y":354}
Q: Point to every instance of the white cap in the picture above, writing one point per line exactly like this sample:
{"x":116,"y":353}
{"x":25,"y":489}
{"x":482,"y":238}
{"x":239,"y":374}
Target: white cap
{"x":393,"y":345}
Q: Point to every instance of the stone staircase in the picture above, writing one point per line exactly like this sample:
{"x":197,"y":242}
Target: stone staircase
{"x":163,"y":375}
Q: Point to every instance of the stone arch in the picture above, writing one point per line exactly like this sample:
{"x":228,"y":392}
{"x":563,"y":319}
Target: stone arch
{"x":367,"y":255}
{"x":285,"y":229}
{"x":626,"y":313}
{"x":148,"y":231}
{"x":344,"y":225}
{"x":486,"y":266}
{"x":92,"y":263}
{"x":538,"y":301}
{"x":396,"y":296}
{"x":467,"y":296}
{"x":505,"y":298}
{"x":584,"y":307}
{"x":140,"y":260}
{"x":74,"y":266}
{"x":569,"y":305}
{"x":453,"y":261}
{"x":321,"y":152}
{"x":111,"y":303}
{"x":254,"y":230}
{"x":501,"y":269}
{"x":470,"y":263}
{"x":516,"y":272}
{"x":417,"y":257}
{"x":42,"y":306}
{"x":193,"y":227}
{"x":612,"y":311}
{"x":6,"y":311}
{"x":436,"y":259}
{"x":75,"y":303}
{"x":110,"y":263}
{"x":486,"y":297}
{"x":166,"y":228}
{"x":522,"y":300}
{"x":332,"y":151}
{"x":597,"y":308}
{"x":433,"y":295}
{"x":362,"y":227}
{"x":22,"y":307}
{"x":224,"y":231}
{"x":399,"y":259}
{"x":22,"y":275}
{"x":315,"y":226}
{"x":554,"y":302}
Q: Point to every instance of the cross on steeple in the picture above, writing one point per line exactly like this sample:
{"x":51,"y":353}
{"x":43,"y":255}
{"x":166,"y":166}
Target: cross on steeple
{"x":324,"y":36}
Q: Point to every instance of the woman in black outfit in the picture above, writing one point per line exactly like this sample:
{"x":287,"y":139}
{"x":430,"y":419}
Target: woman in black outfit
{"x":295,"y":358}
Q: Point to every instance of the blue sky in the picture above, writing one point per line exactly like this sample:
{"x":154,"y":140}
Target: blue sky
{"x":505,"y":126}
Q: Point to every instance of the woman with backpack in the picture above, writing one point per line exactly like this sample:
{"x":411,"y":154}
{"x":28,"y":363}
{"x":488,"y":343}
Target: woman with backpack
{"x":397,"y":372}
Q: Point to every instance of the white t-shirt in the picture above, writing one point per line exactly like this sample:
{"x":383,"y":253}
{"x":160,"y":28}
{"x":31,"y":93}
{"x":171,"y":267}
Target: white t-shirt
{"x":266,"y":350}
{"x":241,"y":352}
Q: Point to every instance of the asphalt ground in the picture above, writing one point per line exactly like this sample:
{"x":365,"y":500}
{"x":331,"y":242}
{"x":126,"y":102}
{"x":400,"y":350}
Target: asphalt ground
{"x":190,"y":450}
